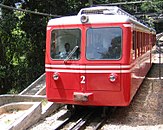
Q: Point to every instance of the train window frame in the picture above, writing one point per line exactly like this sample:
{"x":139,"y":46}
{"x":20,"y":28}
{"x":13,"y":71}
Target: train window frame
{"x":79,"y":46}
{"x":134,"y":47}
{"x":105,"y":59}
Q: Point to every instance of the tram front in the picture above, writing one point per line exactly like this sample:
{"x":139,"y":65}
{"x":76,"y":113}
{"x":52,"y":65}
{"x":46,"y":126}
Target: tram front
{"x":83,"y":60}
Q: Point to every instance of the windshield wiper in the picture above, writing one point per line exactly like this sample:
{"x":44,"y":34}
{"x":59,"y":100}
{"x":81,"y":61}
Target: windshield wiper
{"x":71,"y":53}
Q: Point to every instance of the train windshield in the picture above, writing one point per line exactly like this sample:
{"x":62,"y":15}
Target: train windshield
{"x":104,"y":43}
{"x":65,"y":44}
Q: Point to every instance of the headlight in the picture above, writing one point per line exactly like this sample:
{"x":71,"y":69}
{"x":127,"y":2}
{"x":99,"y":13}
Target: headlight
{"x":113,"y":77}
{"x":55,"y":76}
{"x":84,"y":19}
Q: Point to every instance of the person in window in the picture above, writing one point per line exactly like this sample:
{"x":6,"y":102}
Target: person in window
{"x":114,"y":50}
{"x":67,"y":48}
{"x":66,"y":52}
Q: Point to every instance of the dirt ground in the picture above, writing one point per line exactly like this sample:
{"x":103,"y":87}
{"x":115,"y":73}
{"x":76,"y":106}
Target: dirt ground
{"x":146,"y":109}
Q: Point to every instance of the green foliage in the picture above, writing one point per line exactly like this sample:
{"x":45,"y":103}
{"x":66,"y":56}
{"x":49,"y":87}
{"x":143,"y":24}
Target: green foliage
{"x":152,"y":6}
{"x":13,"y":91}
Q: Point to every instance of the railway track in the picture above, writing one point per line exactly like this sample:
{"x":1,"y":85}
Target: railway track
{"x":75,"y":121}
{"x":83,"y":118}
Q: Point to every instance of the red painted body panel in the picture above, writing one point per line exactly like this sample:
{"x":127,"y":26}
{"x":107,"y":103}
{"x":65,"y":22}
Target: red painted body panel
{"x":98,"y":98}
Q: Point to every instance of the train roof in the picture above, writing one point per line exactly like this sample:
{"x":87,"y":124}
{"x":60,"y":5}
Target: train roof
{"x":99,"y":14}
{"x":92,"y":19}
{"x":106,"y":10}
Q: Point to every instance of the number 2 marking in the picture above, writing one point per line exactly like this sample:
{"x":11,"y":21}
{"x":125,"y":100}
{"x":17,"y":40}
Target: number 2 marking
{"x":82,"y":79}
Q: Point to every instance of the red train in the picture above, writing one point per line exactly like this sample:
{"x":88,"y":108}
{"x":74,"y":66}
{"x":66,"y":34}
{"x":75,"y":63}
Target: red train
{"x":98,"y":57}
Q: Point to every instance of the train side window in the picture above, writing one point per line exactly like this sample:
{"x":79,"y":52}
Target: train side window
{"x":146,"y":49}
{"x":142,"y":42}
{"x":104,"y":43}
{"x":147,"y":39}
{"x":153,"y":40}
{"x":138,"y":44}
{"x":134,"y":46}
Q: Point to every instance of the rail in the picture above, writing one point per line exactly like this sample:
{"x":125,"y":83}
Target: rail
{"x":83,"y":118}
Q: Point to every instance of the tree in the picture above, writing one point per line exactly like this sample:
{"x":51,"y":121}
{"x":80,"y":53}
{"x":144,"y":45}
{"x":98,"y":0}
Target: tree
{"x":11,"y":42}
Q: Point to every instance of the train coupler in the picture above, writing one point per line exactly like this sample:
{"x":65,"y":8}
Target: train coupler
{"x":82,"y":97}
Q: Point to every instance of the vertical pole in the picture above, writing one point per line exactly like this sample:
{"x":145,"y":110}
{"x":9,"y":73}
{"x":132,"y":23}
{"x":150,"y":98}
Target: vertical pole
{"x":159,"y":61}
{"x":90,"y":3}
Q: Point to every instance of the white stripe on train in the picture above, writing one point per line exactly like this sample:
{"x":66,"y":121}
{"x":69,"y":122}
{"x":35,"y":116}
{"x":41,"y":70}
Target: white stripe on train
{"x":87,"y":71}
{"x":90,"y":67}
